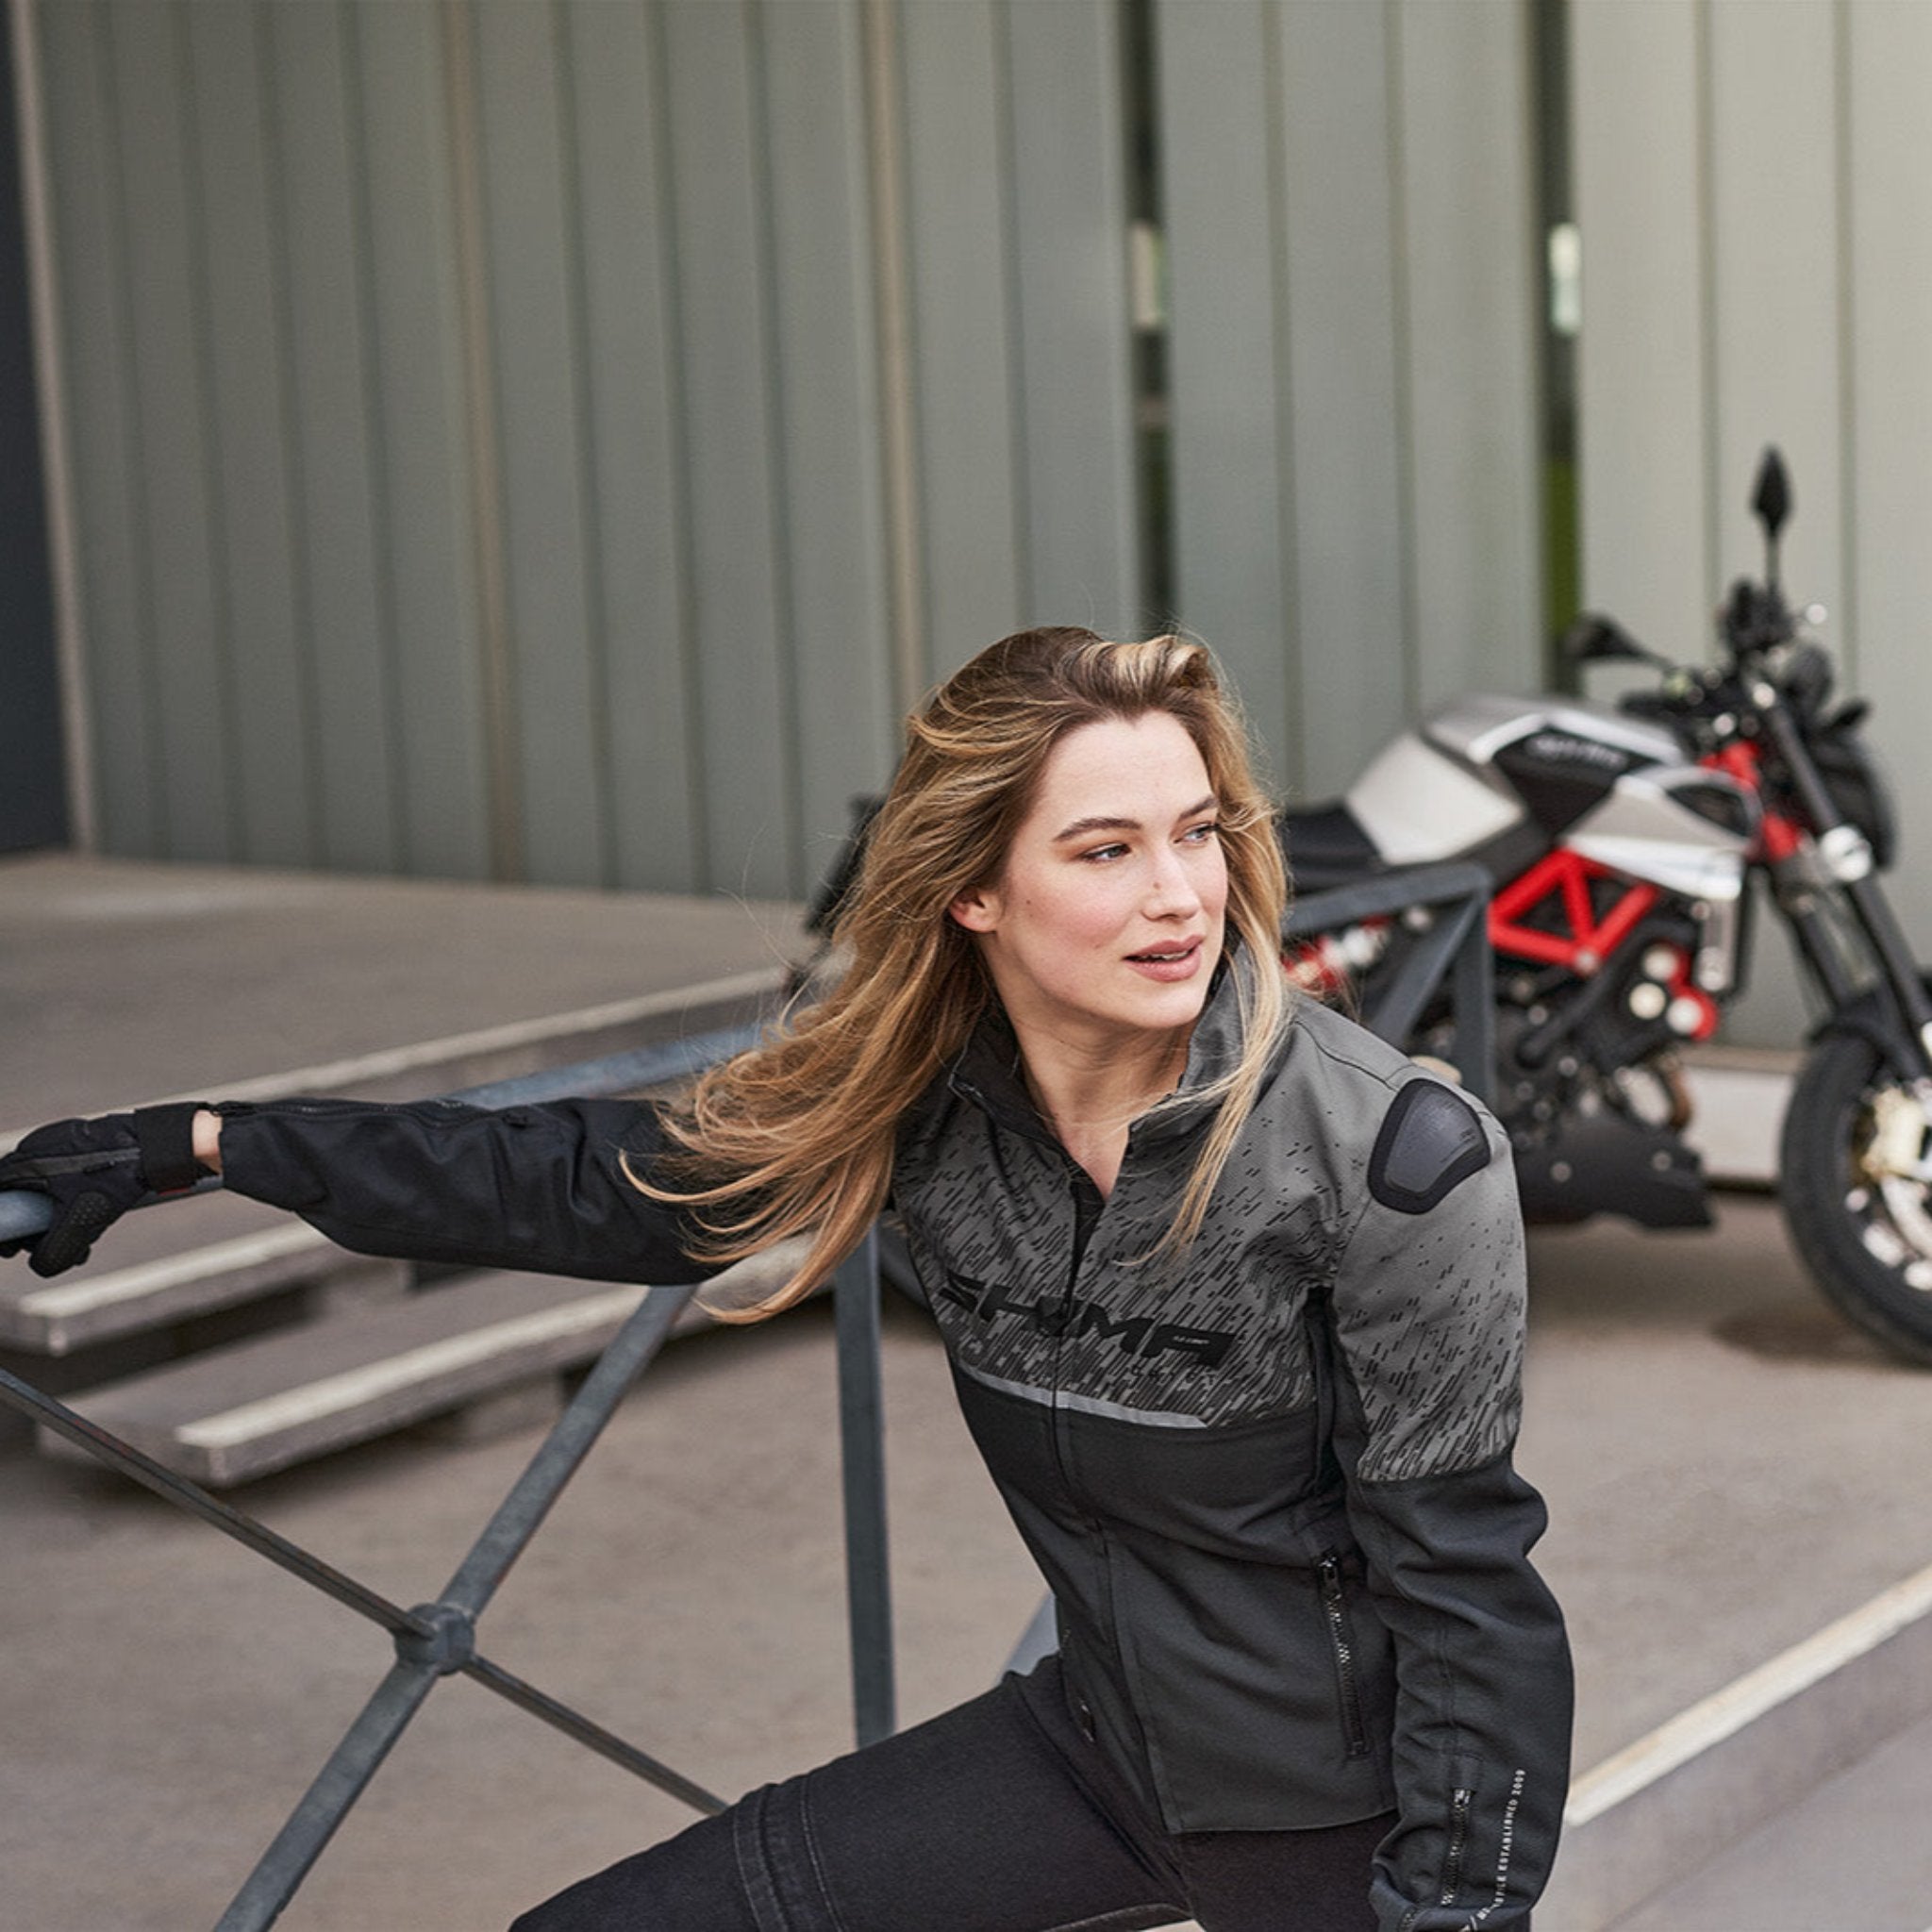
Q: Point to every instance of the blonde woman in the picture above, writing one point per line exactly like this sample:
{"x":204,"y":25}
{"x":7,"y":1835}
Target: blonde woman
{"x":1233,"y":1294}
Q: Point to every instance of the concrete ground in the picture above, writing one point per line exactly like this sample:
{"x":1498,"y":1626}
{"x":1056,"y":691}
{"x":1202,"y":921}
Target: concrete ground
{"x":1728,"y":1469}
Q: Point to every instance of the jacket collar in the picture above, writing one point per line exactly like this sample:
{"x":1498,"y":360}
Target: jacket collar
{"x":987,"y":1070}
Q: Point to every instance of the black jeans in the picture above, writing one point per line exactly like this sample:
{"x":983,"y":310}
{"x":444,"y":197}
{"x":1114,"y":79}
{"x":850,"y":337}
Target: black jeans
{"x":1000,"y":1816}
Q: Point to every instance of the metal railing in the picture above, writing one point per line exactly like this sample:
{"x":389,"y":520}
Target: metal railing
{"x":438,"y":1639}
{"x":1447,"y":957}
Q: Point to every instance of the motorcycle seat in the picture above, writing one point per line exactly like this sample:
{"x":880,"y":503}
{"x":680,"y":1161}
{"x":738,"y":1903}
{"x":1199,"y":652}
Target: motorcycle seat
{"x":1325,"y":845}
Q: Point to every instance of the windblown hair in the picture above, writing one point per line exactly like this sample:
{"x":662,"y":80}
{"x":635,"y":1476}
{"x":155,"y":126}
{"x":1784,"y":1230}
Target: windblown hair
{"x":795,"y":1137}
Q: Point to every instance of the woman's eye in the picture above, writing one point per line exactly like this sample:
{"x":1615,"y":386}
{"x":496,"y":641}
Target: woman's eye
{"x":1100,"y":855}
{"x":1200,"y":834}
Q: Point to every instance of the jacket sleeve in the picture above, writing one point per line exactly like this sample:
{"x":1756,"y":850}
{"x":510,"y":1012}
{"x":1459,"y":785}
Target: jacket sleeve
{"x":534,"y":1187}
{"x":1427,"y":1312}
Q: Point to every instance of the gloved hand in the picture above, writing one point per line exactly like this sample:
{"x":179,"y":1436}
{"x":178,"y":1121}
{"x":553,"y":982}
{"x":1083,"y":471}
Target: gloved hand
{"x":93,"y":1170}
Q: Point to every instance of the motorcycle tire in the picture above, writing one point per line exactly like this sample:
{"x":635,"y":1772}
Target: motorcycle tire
{"x":1865,"y":1236}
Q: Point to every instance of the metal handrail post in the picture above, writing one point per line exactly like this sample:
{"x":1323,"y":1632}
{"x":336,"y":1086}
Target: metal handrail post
{"x":327,"y":1800}
{"x":521,"y":1513}
{"x":862,"y":1455}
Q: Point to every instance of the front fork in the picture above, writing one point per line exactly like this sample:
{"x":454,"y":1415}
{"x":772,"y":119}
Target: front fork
{"x":1893,"y":1011}
{"x":1846,"y":855}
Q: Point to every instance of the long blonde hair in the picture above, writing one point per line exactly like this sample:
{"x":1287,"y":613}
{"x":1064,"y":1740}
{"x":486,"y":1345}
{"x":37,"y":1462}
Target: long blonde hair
{"x":796,"y":1136}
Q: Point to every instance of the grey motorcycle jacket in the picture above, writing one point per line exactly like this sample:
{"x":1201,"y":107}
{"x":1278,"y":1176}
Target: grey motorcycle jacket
{"x":1267,"y":1476}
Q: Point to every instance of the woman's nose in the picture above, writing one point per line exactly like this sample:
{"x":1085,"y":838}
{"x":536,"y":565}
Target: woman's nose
{"x":1172,"y":892}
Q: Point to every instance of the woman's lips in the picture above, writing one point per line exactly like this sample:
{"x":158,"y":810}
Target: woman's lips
{"x":1171,"y":962}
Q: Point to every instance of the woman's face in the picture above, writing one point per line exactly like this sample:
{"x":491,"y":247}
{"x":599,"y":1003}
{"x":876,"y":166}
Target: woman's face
{"x":1107,"y":919}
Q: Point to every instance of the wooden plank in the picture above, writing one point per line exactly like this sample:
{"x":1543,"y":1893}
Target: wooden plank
{"x":170,"y":455}
{"x":1218,"y":66}
{"x":838,"y":648}
{"x":964,"y":350}
{"x":252,"y":538}
{"x":336,"y":595}
{"x":1070,"y":242}
{"x":532,"y":248}
{"x":431,"y":654}
{"x":1355,"y":640}
{"x":1470,"y":355}
{"x":718,"y":205}
{"x":636,"y":511}
{"x":83,"y":174}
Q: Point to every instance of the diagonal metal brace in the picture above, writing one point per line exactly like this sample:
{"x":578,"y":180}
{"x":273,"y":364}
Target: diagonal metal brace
{"x":432,"y":1640}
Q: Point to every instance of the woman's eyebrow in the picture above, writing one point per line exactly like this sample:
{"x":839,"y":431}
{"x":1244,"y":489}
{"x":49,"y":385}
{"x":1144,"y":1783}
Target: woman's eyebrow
{"x":1083,"y":829}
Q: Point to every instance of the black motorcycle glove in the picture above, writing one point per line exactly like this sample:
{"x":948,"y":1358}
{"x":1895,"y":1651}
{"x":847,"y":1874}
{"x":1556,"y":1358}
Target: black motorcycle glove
{"x":93,"y":1170}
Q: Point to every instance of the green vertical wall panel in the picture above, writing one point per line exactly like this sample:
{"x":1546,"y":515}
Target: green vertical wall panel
{"x":1227,"y":385}
{"x":952,"y":58}
{"x":1353,"y":355}
{"x":727,"y":363}
{"x":536,"y":340}
{"x":838,"y":654}
{"x":1774,"y":240}
{"x":1343,"y":420}
{"x":1462,"y":113}
{"x":95,"y":308}
{"x":636,"y":513}
{"x":1888,"y":507}
{"x":264,"y":716}
{"x":170,"y":448}
{"x":1070,"y":253}
{"x":428,"y":564}
{"x":336,"y":593}
{"x":1644,"y":384}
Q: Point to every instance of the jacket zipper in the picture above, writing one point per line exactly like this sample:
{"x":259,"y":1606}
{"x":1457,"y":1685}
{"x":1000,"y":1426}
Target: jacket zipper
{"x":1058,"y":1319}
{"x":1458,"y":1840}
{"x":1342,"y":1640}
{"x":1086,"y":1210}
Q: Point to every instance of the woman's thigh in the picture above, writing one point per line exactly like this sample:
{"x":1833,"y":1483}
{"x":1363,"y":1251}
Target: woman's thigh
{"x":975,"y":1821}
{"x":1282,"y":1881}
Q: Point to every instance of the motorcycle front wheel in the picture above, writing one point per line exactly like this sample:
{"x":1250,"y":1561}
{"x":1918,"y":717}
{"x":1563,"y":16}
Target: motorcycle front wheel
{"x":1853,"y":1141}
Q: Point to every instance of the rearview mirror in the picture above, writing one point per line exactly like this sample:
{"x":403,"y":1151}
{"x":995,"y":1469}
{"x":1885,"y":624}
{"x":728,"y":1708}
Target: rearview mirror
{"x":1772,"y":500}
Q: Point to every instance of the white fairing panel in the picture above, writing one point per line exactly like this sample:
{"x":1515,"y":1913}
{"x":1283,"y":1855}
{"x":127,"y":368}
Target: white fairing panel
{"x":1639,"y":830}
{"x":1431,"y":793}
{"x":1476,"y":728}
{"x":1419,"y":805}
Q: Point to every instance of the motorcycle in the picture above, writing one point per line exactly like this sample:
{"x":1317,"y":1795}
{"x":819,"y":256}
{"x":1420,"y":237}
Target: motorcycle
{"x":1625,"y":842}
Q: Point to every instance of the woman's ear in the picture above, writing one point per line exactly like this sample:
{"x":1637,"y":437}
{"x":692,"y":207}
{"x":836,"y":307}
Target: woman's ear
{"x":976,"y":910}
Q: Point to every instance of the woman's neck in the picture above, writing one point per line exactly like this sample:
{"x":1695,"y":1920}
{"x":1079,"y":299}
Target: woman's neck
{"x":1090,"y":1097}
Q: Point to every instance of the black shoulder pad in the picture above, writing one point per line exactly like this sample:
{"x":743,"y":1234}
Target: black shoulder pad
{"x":1431,"y":1142}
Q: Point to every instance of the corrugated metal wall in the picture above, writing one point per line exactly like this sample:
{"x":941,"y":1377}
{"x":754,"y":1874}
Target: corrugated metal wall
{"x":474,"y":432}
{"x":1349,"y":194}
{"x":1754,"y":186}
{"x":555,"y":438}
